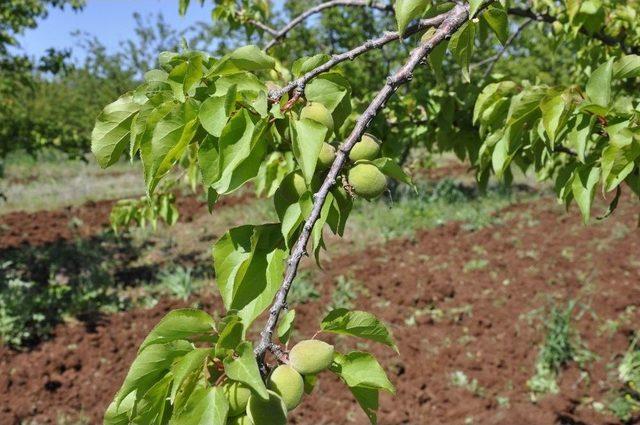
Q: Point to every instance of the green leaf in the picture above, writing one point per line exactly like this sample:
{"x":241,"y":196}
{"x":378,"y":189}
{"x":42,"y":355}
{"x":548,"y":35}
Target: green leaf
{"x":245,"y":82}
{"x":496,"y":18}
{"x":110,"y":136}
{"x":310,"y":382}
{"x":359,"y":369}
{"x":150,"y":366}
{"x":192,"y":363}
{"x":206,"y":406}
{"x":171,"y":136}
{"x":583,"y":188}
{"x":213,"y":116}
{"x":290,"y":221}
{"x":341,"y":208}
{"x":317,"y":242}
{"x":183,"y":5}
{"x":249,"y":261}
{"x":599,"y":85}
{"x":251,"y":58}
{"x":474,"y":5}
{"x":119,"y":414}
{"x":627,"y":67}
{"x":436,"y":57}
{"x":554,"y":115}
{"x":578,"y":137}
{"x":367,"y":398}
{"x":185,"y":324}
{"x":234,"y":146}
{"x":188,"y":73}
{"x":573,"y":7}
{"x":209,"y":161}
{"x":286,"y":326}
{"x":231,"y":336}
{"x":461,"y":45}
{"x":308,"y":137}
{"x":357,"y":323}
{"x":153,"y":408}
{"x":618,"y":159}
{"x":306,"y":64}
{"x":408,"y":10}
{"x":391,"y":168}
{"x":244,"y":369}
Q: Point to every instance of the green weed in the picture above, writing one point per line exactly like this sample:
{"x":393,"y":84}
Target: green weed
{"x":562,"y":345}
{"x":626,"y":402}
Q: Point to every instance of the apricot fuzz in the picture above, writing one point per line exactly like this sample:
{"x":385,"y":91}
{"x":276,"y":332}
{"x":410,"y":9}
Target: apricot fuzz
{"x":311,"y":356}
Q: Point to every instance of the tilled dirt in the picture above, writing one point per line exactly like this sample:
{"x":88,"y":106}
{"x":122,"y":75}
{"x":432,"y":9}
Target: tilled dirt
{"x":461,"y":301}
{"x":44,"y":227}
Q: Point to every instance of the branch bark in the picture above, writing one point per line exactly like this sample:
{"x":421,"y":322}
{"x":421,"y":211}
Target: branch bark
{"x":375,"y":43}
{"x":282,"y":33}
{"x":453,"y":20}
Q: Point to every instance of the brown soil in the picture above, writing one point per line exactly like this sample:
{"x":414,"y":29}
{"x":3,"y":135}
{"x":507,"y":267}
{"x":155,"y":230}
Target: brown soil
{"x":483,"y":322}
{"x":45,"y":227}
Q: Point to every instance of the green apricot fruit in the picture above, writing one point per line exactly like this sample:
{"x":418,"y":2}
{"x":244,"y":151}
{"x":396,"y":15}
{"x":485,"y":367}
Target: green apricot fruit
{"x":367,"y":181}
{"x":367,"y":148}
{"x":327,"y":155}
{"x":293,"y":187}
{"x":267,"y":412}
{"x":311,"y":356}
{"x":240,"y":420}
{"x":318,"y":113}
{"x":288,"y":384}
{"x":238,"y":396}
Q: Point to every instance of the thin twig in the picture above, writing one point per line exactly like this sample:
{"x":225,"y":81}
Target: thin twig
{"x":375,"y":43}
{"x":279,"y":353}
{"x":454,"y":19}
{"x":493,"y":60}
{"x":564,"y":149}
{"x":266,"y":28}
{"x":605,"y":38}
{"x":282,"y":33}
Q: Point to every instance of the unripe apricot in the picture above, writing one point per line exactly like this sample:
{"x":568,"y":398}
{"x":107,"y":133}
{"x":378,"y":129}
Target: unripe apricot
{"x":311,"y":356}
{"x":367,"y":181}
{"x":327,"y":155}
{"x":267,"y":412}
{"x":319,"y":113}
{"x":237,"y":396}
{"x":293,"y":187}
{"x":367,"y":148}
{"x":288,"y":384}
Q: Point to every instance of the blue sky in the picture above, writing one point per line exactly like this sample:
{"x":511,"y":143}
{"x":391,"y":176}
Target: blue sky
{"x":110,"y":20}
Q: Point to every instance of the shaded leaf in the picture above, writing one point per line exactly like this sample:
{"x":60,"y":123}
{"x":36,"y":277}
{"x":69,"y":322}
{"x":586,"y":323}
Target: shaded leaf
{"x":244,"y":369}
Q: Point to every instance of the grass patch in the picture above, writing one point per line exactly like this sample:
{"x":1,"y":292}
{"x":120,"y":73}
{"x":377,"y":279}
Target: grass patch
{"x":625,"y":404}
{"x":345,"y":292}
{"x":562,"y":345}
{"x":52,"y":181}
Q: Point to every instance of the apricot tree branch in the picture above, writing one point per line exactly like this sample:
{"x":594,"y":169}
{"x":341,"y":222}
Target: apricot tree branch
{"x":375,"y":43}
{"x":282,"y":33}
{"x":453,"y":20}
